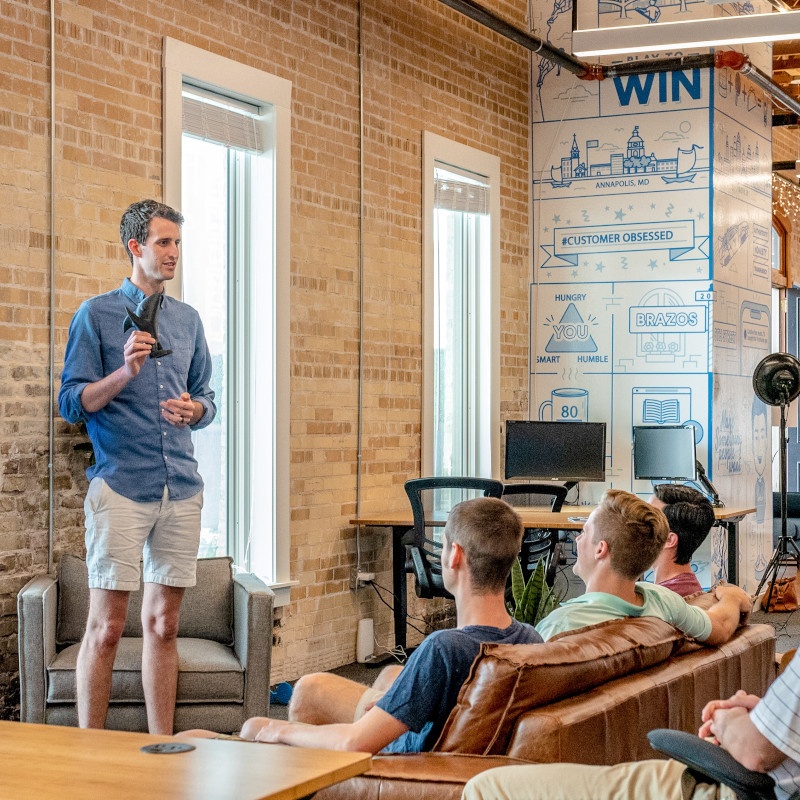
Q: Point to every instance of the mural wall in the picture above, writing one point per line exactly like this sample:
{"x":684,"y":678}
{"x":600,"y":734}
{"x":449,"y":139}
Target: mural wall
{"x":650,"y":291}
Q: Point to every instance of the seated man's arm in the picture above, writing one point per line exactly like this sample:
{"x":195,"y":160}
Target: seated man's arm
{"x":736,"y":733}
{"x":726,"y":614}
{"x":370,"y":734}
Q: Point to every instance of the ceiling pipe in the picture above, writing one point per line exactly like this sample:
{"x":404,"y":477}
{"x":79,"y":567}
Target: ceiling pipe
{"x":586,"y":71}
{"x":535,"y":44}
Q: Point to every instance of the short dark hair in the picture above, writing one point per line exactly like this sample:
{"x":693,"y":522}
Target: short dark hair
{"x":135,"y":222}
{"x":634,"y":531}
{"x":490,"y":533}
{"x":690,"y":516}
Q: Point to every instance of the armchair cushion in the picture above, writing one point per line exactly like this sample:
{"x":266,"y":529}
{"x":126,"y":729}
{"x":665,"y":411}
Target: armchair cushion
{"x":209,"y":672}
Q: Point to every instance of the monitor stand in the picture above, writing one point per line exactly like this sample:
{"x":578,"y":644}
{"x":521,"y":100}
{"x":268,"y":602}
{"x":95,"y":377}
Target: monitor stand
{"x":708,"y":486}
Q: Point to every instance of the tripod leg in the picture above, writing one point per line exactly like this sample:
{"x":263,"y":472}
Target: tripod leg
{"x":772,"y":568}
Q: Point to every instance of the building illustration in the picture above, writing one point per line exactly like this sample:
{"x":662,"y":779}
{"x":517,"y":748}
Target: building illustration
{"x":635,"y":160}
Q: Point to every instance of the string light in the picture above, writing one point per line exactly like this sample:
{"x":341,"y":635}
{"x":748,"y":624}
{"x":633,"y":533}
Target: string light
{"x":785,"y":199}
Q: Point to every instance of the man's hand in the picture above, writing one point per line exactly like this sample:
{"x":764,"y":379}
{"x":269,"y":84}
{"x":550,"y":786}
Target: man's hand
{"x":729,"y":590}
{"x":715,"y":726}
{"x":739,"y":700}
{"x":270,"y":732}
{"x":181,"y":412}
{"x":100,"y":393}
{"x":728,"y":613}
{"x":137,"y":350}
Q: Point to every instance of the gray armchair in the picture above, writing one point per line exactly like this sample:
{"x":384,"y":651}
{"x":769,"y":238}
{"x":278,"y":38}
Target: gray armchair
{"x":224,"y":650}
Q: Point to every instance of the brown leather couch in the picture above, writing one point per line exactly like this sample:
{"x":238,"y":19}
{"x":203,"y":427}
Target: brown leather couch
{"x":587,"y":696}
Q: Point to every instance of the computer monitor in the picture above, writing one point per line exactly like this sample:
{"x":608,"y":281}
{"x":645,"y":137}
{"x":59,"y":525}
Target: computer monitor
{"x":664,"y":452}
{"x":556,"y":451}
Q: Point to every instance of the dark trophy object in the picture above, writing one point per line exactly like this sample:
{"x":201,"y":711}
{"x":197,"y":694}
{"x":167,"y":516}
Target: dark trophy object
{"x":144,"y":319}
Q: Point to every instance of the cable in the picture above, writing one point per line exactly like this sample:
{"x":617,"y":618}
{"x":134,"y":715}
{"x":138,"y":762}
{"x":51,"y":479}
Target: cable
{"x":377,"y":586}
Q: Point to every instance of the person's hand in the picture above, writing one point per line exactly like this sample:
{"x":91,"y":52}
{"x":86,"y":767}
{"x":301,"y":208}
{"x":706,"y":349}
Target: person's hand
{"x":178,"y":412}
{"x":263,"y":729}
{"x":729,"y":590}
{"x":714,"y":728}
{"x":739,"y":700}
{"x":137,"y":349}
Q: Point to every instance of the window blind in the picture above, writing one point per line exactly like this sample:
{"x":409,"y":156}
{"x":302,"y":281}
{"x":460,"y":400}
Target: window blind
{"x":216,"y":118}
{"x":457,"y":195}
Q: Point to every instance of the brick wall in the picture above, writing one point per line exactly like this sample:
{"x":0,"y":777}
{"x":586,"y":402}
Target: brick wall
{"x":425,"y":67}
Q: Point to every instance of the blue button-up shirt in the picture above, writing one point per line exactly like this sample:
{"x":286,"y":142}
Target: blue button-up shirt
{"x":137,"y":452}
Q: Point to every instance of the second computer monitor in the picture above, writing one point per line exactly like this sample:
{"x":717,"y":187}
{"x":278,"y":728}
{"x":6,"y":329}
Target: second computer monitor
{"x":664,"y":452}
{"x":560,"y":451}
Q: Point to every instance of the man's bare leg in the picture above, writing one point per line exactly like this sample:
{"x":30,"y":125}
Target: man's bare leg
{"x":322,"y":698}
{"x":388,"y":675}
{"x":161,"y":607}
{"x":106,"y":621}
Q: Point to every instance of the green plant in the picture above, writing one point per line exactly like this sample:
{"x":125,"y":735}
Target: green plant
{"x":534,"y":600}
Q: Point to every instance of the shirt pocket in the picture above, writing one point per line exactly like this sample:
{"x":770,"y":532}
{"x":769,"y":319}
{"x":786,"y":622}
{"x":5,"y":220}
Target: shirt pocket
{"x":179,"y":362}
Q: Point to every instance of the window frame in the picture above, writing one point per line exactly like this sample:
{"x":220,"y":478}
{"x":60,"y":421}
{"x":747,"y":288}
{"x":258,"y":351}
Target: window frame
{"x":182,"y":62}
{"x":438,"y":149}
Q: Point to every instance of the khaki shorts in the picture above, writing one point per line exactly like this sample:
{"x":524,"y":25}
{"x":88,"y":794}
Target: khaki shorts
{"x":122,"y":535}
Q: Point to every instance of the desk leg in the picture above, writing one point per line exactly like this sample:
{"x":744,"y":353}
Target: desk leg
{"x":399,"y":586}
{"x":731,"y":527}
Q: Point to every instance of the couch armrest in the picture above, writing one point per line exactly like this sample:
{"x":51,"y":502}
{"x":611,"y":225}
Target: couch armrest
{"x":36,"y":625}
{"x":415,"y":776}
{"x":252,"y":639}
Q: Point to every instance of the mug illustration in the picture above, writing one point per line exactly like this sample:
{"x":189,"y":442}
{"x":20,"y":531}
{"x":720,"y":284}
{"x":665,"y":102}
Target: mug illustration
{"x":567,"y":404}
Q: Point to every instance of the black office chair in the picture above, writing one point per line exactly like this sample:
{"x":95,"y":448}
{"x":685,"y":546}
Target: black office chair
{"x":437,"y":496}
{"x":538,"y":543}
{"x":525,"y":495}
{"x":709,"y":763}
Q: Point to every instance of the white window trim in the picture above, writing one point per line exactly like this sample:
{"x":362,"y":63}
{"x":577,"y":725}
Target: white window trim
{"x":437,"y":148}
{"x":182,"y":61}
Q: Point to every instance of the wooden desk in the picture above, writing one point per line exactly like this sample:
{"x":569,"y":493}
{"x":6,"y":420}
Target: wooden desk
{"x":44,"y":762}
{"x":400,"y":523}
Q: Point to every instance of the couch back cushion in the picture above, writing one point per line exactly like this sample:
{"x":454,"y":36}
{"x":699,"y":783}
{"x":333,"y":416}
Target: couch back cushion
{"x":507,"y":680}
{"x":206,"y":611}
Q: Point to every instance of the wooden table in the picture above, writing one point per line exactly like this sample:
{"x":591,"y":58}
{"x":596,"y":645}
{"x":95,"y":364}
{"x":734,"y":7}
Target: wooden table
{"x":40,"y":762}
{"x":570,"y":518}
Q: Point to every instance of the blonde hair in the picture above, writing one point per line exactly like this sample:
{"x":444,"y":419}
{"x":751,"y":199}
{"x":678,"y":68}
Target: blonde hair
{"x":489,"y":532}
{"x":634,"y":531}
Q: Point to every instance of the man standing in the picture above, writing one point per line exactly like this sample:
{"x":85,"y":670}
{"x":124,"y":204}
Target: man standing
{"x":621,"y":539}
{"x":145,"y":493}
{"x":406,"y":712}
{"x":690,"y":516}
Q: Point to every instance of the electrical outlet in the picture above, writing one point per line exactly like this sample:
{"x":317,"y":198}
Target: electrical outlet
{"x":359,"y":579}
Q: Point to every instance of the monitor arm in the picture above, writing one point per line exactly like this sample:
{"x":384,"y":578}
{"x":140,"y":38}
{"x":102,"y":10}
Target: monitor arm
{"x":707,"y":485}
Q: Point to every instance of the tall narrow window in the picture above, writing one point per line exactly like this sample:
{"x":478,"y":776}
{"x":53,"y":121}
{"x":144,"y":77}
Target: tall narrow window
{"x":228,"y":180}
{"x":461,"y":409}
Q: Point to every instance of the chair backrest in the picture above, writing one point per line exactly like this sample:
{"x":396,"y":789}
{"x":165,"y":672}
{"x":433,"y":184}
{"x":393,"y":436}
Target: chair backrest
{"x":792,"y":504}
{"x":206,"y":611}
{"x":431,"y":500}
{"x":535,"y":494}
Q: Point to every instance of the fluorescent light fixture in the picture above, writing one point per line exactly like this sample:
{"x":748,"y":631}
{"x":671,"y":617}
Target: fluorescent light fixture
{"x":687,"y":34}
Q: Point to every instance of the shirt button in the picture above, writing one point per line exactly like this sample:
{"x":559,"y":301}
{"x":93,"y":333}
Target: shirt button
{"x":160,"y":385}
{"x":164,"y":433}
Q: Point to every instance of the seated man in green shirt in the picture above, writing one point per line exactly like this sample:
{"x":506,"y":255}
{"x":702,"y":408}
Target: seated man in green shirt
{"x":619,"y":542}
